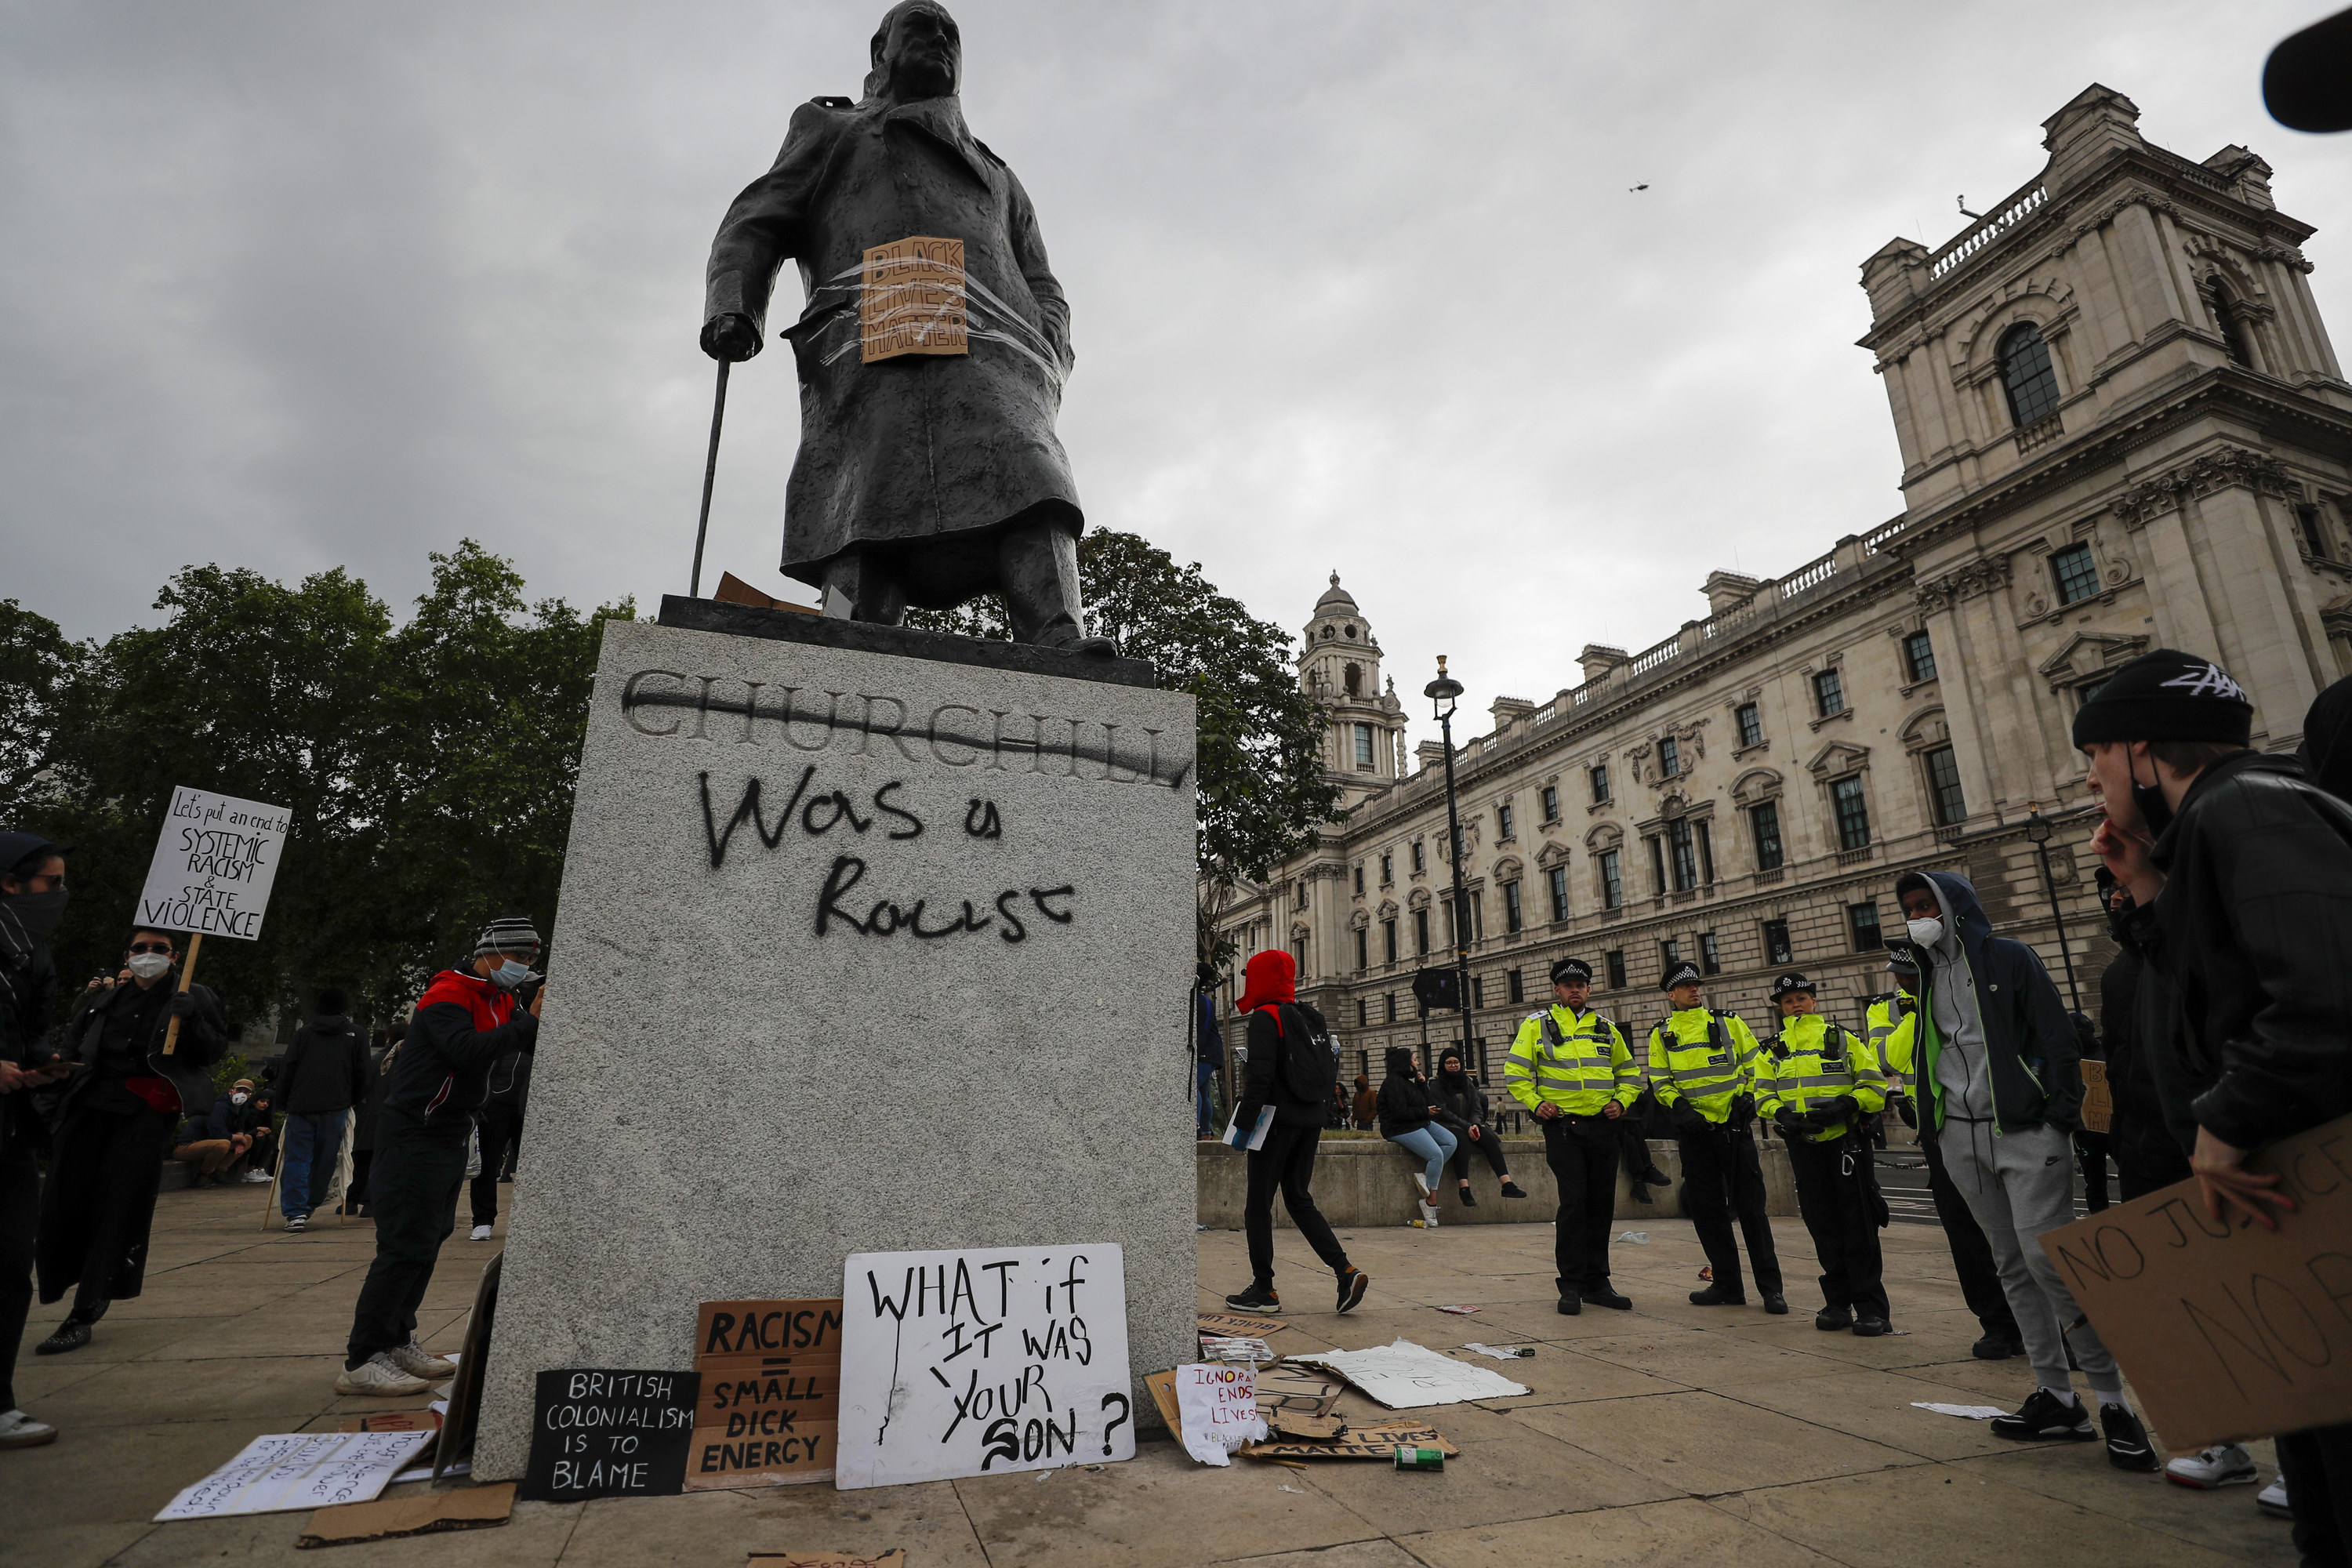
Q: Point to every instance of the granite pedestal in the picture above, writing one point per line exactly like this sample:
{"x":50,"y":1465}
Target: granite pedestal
{"x":868,"y":941}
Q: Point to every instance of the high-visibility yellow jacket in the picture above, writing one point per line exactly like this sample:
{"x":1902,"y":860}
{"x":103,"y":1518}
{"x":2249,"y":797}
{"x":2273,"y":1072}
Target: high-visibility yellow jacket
{"x":1812,"y":1062}
{"x":1577,"y":1061}
{"x":1889,"y":1027}
{"x":1703,"y":1057}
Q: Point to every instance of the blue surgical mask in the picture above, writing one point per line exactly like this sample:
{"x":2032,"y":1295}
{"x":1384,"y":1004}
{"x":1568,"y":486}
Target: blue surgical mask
{"x":510,"y":975}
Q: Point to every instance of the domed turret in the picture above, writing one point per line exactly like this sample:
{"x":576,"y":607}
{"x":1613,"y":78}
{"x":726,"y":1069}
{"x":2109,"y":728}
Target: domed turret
{"x":1339,"y":666}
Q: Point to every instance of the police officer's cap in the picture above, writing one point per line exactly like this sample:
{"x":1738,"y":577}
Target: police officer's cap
{"x":1571,"y":971}
{"x":1903,"y":960}
{"x":1791,"y":981}
{"x":1682,"y":974}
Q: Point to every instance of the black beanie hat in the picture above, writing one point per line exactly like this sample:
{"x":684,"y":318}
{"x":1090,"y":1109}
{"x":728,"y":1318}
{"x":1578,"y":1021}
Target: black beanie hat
{"x":2167,"y":695}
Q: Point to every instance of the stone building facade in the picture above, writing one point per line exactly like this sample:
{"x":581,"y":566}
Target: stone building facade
{"x":2121,"y":424}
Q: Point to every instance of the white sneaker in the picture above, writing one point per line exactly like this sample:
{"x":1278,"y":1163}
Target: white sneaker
{"x":380,"y":1374}
{"x":481,"y":1233}
{"x":1420,"y":1185}
{"x":2222,"y":1465}
{"x":18,"y":1430}
{"x":2271,"y":1498}
{"x":1428,"y":1212}
{"x":252,"y":1177}
{"x":417,"y":1362}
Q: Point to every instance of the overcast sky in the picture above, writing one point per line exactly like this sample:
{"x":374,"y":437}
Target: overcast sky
{"x":1355,"y":284}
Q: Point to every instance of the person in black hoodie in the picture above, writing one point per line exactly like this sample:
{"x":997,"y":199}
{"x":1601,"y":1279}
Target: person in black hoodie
{"x":324,"y":1075}
{"x":1410,"y":1118}
{"x":1292,"y":1066}
{"x":466,"y":1020}
{"x":32,"y":901}
{"x":2135,"y":1007}
{"x":2241,"y":871}
{"x":1462,"y":1106}
{"x":500,"y":1127}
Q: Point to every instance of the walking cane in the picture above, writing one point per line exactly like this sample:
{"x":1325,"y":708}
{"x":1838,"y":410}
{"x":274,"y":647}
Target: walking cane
{"x":710,"y":474}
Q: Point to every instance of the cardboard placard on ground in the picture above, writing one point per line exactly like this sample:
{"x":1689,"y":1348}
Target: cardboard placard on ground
{"x":1297,"y":1391}
{"x":391,"y":1421}
{"x":911,"y":300}
{"x":2098,"y":1101}
{"x":465,"y":1388}
{"x":1379,"y":1441}
{"x":1406,"y":1377}
{"x":599,"y":1432}
{"x":770,"y":1410}
{"x":285,"y":1471}
{"x":468,"y":1508}
{"x":2227,"y":1331}
{"x":1235,"y":1326}
{"x":214,"y":862}
{"x":894,"y":1558}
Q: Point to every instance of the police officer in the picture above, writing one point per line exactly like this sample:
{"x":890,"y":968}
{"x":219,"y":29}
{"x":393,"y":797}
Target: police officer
{"x":1572,"y":1068}
{"x":1892,"y":1031}
{"x":1703,"y":1066}
{"x":1815,"y":1083}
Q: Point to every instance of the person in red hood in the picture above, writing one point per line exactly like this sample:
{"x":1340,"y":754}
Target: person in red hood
{"x":466,"y":1020}
{"x":1291,"y":1067}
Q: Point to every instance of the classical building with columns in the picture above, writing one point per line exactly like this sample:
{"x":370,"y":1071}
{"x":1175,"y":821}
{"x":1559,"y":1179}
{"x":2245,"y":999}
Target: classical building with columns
{"x":2121,"y":424}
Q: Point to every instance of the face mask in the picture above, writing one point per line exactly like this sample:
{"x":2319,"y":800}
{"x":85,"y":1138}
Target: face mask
{"x":148,"y":966}
{"x":2154,"y":809}
{"x":1926,"y":932}
{"x":510,"y":975}
{"x":27,"y":919}
{"x":238,"y":1099}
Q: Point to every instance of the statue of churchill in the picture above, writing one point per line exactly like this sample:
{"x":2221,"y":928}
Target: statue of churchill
{"x":931,"y":475}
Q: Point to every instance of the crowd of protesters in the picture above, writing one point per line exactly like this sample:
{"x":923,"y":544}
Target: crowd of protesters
{"x":125,"y":1081}
{"x":2226,"y":879}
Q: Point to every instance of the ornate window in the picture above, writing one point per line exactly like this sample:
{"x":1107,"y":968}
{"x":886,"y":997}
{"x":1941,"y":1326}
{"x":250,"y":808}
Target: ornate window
{"x":1670,"y":758}
{"x":1599,"y":775}
{"x":1670,"y":953}
{"x":1682,"y":854}
{"x":1353,"y":678}
{"x":1862,"y":920}
{"x":2026,"y":377}
{"x":1359,"y":882}
{"x":1558,"y":877}
{"x":1363,"y":741}
{"x":2230,"y":317}
{"x":1518,"y":985}
{"x":1852,"y":813}
{"x":1765,"y":822}
{"x":1550,"y":798}
{"x":2075,"y":573}
{"x":1944,"y":786}
{"x":1828,"y":694}
{"x":1513,"y":919}
{"x":1419,"y":857}
{"x":1710,"y":954}
{"x":1612,"y":881}
{"x":1421,"y":931}
{"x":1775,"y":943}
{"x":1614,"y":961}
{"x":1919,"y":658}
{"x":1751,"y":725}
{"x":1388,"y":867}
{"x":1388,"y":954}
{"x":1363,"y":951}
{"x":1503,"y":827}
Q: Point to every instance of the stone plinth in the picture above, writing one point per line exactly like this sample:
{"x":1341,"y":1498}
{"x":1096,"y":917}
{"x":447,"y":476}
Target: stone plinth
{"x":857,"y":952}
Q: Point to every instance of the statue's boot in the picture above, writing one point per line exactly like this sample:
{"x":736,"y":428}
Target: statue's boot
{"x":860,"y":587}
{"x":1037,"y":573}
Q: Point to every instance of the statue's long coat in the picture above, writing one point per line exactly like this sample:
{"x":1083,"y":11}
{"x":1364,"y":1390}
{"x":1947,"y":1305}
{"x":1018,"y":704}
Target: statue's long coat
{"x":919,"y":447}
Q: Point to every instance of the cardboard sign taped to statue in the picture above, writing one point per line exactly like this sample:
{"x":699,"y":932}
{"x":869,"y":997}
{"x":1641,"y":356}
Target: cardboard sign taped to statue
{"x":2226,"y":1330}
{"x":982,"y":1361}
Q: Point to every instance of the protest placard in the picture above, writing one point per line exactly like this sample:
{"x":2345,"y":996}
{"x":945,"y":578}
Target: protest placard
{"x":598,"y":1433}
{"x":2098,"y":1101}
{"x":982,"y":1361}
{"x":292,"y":1470}
{"x":770,"y":1407}
{"x":1217,"y":1409}
{"x":1404,"y":1375}
{"x":911,"y":300}
{"x":214,"y":862}
{"x":2228,"y":1331}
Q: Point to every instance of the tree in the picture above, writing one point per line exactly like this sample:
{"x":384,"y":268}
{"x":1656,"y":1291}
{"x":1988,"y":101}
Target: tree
{"x":1261,"y":786}
{"x":36,"y":666}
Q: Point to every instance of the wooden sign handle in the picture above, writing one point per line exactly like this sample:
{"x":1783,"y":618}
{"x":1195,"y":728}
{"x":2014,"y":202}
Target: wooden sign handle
{"x":187,"y":977}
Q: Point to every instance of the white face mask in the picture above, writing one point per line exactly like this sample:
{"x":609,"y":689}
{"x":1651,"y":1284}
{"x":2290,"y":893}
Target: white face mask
{"x":148,"y":966}
{"x":1926,"y":932}
{"x":238,"y":1099}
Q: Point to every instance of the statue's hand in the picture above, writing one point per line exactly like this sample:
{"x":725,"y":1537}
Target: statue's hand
{"x":730,"y":337}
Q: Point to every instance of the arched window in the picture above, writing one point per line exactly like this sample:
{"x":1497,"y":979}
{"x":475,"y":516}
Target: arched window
{"x":1354,"y":679}
{"x":2230,"y":317}
{"x":2026,"y":375}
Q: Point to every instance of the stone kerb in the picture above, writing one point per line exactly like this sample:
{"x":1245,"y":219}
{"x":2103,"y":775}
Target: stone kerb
{"x":856,"y":952}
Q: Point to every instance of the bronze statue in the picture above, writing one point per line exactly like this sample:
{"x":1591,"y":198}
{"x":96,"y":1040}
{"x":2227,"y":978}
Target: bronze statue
{"x":933,"y":475}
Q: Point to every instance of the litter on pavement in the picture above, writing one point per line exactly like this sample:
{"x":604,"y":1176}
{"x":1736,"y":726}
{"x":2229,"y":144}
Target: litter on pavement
{"x":1973,"y":1412}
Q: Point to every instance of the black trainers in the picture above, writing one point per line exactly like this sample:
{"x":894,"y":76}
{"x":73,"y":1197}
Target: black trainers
{"x":1468,"y":1202}
{"x":2128,"y":1445}
{"x":1351,"y":1289}
{"x":1776,"y":1303}
{"x":1256,"y":1299}
{"x":1717,"y":1296}
{"x":1830,"y":1320}
{"x":2044,"y":1416}
{"x":1602,"y":1296}
{"x":1655,"y":1178}
{"x":1996,"y":1347}
{"x":1569,"y":1305}
{"x":1513,"y":1190}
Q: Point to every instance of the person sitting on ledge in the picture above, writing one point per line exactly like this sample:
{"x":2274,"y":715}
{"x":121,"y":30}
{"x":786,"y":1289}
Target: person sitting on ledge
{"x":1407,"y":1119}
{"x":208,"y":1141}
{"x":1462,"y":1106}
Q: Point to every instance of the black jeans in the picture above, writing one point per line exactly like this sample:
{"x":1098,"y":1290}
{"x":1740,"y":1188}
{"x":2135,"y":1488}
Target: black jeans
{"x":1485,"y":1143}
{"x":1972,"y":1252}
{"x":1583,"y":1153}
{"x":1722,"y":1176}
{"x":413,"y":1183}
{"x":500,"y":1128}
{"x":2317,"y":1465}
{"x":1843,"y":1223}
{"x":20,"y":1196}
{"x":1286,"y":1163}
{"x":2146,"y":1161}
{"x":2091,"y":1152}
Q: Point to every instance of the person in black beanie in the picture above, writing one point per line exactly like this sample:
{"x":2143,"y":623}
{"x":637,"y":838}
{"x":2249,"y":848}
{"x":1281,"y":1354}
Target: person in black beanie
{"x":2240,"y":872}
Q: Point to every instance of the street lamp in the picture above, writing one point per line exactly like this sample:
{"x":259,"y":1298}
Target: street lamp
{"x":1443,"y":693}
{"x":2037,"y":831}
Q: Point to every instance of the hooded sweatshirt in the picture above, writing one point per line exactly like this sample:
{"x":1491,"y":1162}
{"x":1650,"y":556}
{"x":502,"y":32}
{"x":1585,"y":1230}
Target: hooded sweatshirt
{"x":1995,"y":1042}
{"x":1278,"y":1022}
{"x":1405,"y":1096}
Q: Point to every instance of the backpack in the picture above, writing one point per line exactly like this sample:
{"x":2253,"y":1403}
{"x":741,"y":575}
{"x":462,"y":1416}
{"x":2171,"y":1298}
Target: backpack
{"x":1309,"y":1062}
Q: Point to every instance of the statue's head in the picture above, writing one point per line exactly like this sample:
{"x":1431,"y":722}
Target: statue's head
{"x":917,"y":53}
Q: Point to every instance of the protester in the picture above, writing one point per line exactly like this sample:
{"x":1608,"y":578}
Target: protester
{"x":364,"y":1128}
{"x":2137,"y":1009}
{"x":323,"y":1076}
{"x":500,"y":1130}
{"x":252,"y":1114}
{"x":1366,"y":1107}
{"x":1997,"y":1058}
{"x":1816,"y":1083}
{"x":1208,"y":1051}
{"x":1462,"y":1106}
{"x":210,"y":1145}
{"x":1409,"y":1120}
{"x":1571,"y":1066}
{"x":1891,"y":1024}
{"x":1702,"y":1064}
{"x":1291,"y":1065}
{"x":2092,"y":1149}
{"x":1335,"y":1110}
{"x":2240,"y":872}
{"x":113,"y":1126}
{"x":32,"y":901}
{"x":466,"y":1020}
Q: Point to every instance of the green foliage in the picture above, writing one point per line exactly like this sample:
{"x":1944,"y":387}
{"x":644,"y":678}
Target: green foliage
{"x":1261,"y":790}
{"x":428,"y":768}
{"x":229,"y":1069}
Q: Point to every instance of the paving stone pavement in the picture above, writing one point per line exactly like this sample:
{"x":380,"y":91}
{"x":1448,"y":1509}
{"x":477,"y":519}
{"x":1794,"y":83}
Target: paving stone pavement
{"x":1671,"y":1434}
